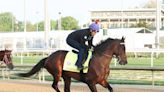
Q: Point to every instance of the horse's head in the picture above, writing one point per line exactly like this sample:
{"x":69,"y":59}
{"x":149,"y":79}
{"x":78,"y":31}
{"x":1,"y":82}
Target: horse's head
{"x":6,"y":58}
{"x":112,"y":47}
{"x":119,"y":51}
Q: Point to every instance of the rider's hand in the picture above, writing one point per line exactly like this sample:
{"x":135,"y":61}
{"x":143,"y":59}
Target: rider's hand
{"x":92,"y":48}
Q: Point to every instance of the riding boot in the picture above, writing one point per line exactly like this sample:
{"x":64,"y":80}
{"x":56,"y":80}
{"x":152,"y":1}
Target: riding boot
{"x":85,"y":56}
{"x":80,"y":59}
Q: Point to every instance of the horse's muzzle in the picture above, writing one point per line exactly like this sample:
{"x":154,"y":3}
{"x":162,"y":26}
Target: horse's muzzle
{"x":123,"y":62}
{"x":10,"y":66}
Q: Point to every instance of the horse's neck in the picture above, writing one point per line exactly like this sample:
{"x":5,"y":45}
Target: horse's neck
{"x":103,"y":57}
{"x":1,"y":56}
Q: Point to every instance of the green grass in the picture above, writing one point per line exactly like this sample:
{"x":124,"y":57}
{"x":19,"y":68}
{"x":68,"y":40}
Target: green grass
{"x":116,"y":77}
{"x":142,"y":61}
{"x":27,"y":59}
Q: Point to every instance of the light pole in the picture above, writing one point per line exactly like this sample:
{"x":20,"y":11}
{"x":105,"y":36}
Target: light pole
{"x":46,"y":24}
{"x":122,"y":19}
{"x":12,"y":18}
{"x":24,"y":47}
{"x":59,"y":21}
{"x":37,"y":23}
{"x":158,"y":21}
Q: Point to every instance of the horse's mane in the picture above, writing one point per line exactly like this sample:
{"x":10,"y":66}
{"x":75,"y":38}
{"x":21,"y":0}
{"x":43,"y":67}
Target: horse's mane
{"x":101,"y":47}
{"x":3,"y":51}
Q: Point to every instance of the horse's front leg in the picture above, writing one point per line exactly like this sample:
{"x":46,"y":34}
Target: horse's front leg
{"x":92,"y":87}
{"x":67,"y":83}
{"x":105,"y":84}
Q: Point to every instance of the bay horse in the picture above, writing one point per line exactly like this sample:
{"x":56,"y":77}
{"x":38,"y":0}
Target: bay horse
{"x":98,"y":69}
{"x":5,"y":56}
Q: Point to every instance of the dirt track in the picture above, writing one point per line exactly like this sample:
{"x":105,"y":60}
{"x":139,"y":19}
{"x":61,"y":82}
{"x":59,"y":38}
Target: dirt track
{"x":35,"y":86}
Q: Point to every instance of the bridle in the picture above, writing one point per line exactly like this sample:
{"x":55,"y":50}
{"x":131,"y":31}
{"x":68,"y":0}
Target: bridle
{"x":5,"y":59}
{"x":109,"y":56}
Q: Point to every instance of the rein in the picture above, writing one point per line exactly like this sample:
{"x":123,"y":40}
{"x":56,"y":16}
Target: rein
{"x":109,"y":56}
{"x":106,"y":55}
{"x":6,"y":60}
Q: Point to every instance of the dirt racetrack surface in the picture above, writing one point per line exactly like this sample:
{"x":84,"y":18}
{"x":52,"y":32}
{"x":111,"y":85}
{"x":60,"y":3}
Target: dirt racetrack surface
{"x":35,"y":86}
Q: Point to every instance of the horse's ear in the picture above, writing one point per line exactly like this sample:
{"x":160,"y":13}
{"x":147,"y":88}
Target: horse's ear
{"x":123,"y":39}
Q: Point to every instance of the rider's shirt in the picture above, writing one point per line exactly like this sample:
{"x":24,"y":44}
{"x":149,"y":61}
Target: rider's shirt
{"x":83,"y":37}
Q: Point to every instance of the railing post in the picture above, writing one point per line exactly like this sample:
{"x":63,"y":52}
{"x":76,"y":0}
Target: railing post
{"x":3,"y":74}
{"x":115,"y":62}
{"x":152,"y":63}
{"x":43,"y":75}
{"x":40,"y":79}
{"x":152,"y":72}
{"x":21,"y":58}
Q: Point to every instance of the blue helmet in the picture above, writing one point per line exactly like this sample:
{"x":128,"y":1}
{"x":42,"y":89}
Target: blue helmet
{"x":94,"y":27}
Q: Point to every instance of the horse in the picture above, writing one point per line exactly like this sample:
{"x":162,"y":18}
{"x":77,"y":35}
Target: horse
{"x":98,"y":69}
{"x":5,"y":56}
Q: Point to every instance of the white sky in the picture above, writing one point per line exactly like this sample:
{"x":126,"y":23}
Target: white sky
{"x":78,"y":9}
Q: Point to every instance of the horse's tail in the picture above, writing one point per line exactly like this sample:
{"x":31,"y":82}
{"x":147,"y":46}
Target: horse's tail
{"x":35,"y":69}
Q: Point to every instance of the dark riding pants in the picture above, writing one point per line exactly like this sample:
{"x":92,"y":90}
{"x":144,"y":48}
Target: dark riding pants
{"x":81,"y":49}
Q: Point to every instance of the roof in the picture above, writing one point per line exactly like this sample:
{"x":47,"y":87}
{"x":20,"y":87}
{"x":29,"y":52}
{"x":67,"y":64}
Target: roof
{"x":130,"y":30}
{"x":125,"y":10}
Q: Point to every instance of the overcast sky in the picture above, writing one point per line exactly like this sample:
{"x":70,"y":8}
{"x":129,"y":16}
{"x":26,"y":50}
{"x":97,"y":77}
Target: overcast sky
{"x":79,"y":9}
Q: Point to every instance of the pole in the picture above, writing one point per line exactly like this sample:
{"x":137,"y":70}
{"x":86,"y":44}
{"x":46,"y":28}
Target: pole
{"x":46,"y":24}
{"x":122,"y":19}
{"x":158,"y":21}
{"x":12,"y":17}
{"x":37,"y":23}
{"x":24,"y":47}
{"x":59,"y":21}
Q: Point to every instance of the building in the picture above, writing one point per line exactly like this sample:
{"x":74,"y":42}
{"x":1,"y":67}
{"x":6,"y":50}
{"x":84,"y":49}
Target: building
{"x":126,"y":18}
{"x":135,"y":38}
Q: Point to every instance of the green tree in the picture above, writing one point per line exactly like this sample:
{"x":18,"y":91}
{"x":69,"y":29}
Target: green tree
{"x":150,"y":4}
{"x":53,"y":25}
{"x":41,"y":26}
{"x":19,"y":26}
{"x":141,"y":24}
{"x":69,"y":23}
{"x":30,"y":27}
{"x":7,"y":21}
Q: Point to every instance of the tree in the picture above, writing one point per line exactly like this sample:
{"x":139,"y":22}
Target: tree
{"x":19,"y":26}
{"x":141,"y":24}
{"x":150,"y":4}
{"x":40,"y":26}
{"x":69,"y":23}
{"x":7,"y":21}
{"x":30,"y":27}
{"x":53,"y":25}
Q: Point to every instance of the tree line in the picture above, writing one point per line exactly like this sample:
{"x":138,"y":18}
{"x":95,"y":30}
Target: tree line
{"x":9,"y":23}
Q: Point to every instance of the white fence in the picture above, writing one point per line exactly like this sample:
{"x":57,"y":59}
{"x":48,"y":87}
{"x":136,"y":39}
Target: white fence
{"x":41,"y":76}
{"x":152,"y":52}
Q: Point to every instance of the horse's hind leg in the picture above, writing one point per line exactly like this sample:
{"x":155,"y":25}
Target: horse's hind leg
{"x":55,"y":83}
{"x":105,"y":84}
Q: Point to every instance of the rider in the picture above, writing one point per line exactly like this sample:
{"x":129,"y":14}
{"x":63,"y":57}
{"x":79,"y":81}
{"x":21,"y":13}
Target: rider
{"x":78,"y":40}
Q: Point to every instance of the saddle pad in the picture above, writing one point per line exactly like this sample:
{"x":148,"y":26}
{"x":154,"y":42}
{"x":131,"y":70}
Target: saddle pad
{"x":70,"y":60}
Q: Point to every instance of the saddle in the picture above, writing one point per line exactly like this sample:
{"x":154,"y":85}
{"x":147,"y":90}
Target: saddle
{"x":71,"y":58}
{"x":84,"y":57}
